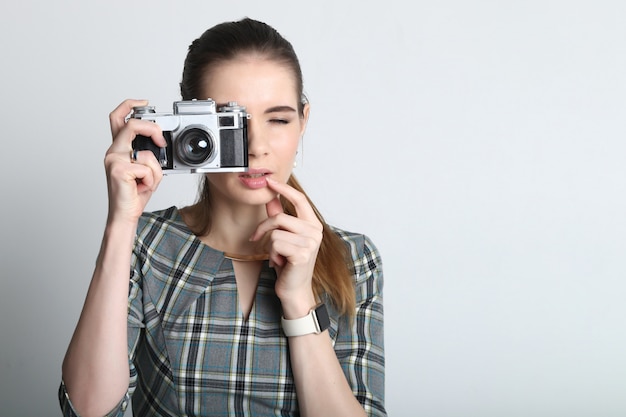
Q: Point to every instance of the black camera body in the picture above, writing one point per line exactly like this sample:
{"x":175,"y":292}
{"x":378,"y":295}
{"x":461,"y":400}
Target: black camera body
{"x":199,"y":137}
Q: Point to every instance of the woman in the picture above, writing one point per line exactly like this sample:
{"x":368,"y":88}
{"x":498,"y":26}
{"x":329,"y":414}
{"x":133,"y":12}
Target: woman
{"x":218,"y":320}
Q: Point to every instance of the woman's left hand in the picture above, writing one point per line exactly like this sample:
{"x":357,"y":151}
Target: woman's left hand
{"x":294,"y":242}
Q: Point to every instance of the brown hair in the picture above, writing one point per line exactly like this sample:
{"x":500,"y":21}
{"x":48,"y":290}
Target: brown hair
{"x":332,"y":274}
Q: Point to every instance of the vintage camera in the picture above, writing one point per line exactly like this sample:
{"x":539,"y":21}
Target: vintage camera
{"x":199,"y":138}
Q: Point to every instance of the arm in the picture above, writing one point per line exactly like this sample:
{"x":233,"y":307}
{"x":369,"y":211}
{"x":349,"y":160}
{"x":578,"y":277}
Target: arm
{"x":322,"y":387}
{"x":321,"y":384}
{"x":359,"y":343}
{"x":95,"y":368}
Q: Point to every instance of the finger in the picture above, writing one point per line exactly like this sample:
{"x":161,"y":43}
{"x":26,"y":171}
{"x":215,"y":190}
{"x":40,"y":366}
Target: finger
{"x":277,"y":248}
{"x":285,"y":222}
{"x":133,"y":128}
{"x":274,"y":207}
{"x":117,"y":118}
{"x":124,"y":161}
{"x":291,"y":224}
{"x":295,"y":249}
{"x":299,"y":201}
{"x":149,"y":159}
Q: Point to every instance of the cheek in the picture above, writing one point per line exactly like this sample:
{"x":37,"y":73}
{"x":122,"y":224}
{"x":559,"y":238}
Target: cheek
{"x":219,"y":180}
{"x":287,"y":142}
{"x":289,"y":150}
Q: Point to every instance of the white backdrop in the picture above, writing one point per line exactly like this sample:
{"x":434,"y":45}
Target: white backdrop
{"x":481,"y":145}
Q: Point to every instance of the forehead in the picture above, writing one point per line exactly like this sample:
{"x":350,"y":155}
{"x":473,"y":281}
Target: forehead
{"x":251,"y":80}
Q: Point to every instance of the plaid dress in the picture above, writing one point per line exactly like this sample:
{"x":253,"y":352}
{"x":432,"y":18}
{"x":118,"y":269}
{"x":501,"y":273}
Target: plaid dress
{"x":192,"y":352}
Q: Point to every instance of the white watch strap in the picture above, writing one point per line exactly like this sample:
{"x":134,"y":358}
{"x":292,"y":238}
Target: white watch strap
{"x":300,"y":327}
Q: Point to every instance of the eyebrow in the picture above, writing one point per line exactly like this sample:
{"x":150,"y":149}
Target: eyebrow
{"x":274,"y":109}
{"x":277,"y":109}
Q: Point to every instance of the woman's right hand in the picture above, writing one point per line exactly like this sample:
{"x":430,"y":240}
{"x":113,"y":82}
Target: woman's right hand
{"x":131,"y":183}
{"x":96,"y":369}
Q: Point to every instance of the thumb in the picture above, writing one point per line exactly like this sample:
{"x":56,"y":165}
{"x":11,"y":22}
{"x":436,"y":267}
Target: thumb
{"x":274,"y":207}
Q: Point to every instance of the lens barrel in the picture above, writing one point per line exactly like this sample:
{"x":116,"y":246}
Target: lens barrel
{"x":195,"y":146}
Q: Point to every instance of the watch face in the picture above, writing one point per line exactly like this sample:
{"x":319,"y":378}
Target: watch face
{"x":322,"y":317}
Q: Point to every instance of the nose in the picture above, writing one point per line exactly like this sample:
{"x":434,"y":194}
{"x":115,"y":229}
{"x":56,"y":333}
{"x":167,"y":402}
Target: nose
{"x":257,"y":142}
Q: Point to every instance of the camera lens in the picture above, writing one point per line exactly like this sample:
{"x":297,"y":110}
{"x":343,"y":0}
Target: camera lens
{"x":195,"y":146}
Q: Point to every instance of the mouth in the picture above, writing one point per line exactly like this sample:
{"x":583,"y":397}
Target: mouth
{"x":255,"y":179}
{"x":255,"y":173}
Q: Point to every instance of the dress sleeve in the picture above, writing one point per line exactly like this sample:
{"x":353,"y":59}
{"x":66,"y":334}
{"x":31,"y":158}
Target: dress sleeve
{"x":360,"y":341}
{"x":135,"y":326}
{"x":68,"y":409}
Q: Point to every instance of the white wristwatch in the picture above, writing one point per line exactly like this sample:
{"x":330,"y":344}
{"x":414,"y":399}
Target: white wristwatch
{"x":315,"y":322}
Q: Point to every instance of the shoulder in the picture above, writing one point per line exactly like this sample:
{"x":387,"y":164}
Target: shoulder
{"x":366,"y":260}
{"x":164,"y":218}
{"x":166,"y":215}
{"x":361,"y":246}
{"x":155,"y":226}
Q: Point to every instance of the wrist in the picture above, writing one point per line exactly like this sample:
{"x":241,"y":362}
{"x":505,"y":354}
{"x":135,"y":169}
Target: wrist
{"x":297,"y":307}
{"x":315,"y":322}
{"x":122,"y":221}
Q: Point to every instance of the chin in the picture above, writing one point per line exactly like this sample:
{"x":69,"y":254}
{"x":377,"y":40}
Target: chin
{"x":258,"y":197}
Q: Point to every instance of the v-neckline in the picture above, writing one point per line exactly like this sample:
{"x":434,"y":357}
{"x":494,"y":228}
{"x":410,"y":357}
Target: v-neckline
{"x":247,"y":278}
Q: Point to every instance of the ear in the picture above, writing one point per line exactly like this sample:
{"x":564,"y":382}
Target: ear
{"x":305,"y":118}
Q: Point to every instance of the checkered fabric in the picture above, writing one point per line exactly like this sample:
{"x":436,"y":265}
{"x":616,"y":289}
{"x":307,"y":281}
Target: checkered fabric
{"x":191,"y":351}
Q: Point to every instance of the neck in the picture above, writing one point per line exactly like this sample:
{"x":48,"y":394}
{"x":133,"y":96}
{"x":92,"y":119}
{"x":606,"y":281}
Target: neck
{"x":231,"y":228}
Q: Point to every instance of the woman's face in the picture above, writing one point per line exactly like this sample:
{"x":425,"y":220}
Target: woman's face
{"x":267,"y":89}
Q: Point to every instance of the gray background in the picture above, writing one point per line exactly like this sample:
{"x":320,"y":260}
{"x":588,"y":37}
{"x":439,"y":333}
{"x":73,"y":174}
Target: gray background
{"x":479,"y":143}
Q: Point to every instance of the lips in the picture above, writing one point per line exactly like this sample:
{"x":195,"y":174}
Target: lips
{"x":256,"y":172}
{"x":254,"y":178}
